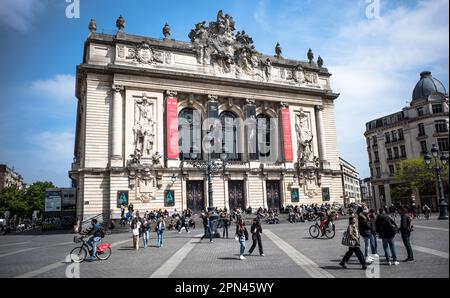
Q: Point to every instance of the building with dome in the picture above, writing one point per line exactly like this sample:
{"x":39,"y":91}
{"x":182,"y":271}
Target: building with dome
{"x":408,"y":134}
{"x":152,"y":112}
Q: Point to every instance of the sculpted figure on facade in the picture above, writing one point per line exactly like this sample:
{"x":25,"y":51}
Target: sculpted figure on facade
{"x":144,"y":136}
{"x":215,"y":44}
{"x":305,"y":137}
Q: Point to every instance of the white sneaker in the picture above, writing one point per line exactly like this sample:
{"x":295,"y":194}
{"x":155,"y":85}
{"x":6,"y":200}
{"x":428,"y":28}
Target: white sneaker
{"x":396,"y":263}
{"x":376,"y":256}
{"x":242,"y":258}
{"x":369,"y":260}
{"x":390,"y":263}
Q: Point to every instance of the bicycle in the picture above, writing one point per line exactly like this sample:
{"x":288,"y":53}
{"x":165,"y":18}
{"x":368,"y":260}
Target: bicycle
{"x":315,"y":230}
{"x":79,"y":254}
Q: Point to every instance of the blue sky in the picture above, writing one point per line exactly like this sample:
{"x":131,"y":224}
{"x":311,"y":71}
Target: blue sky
{"x":375,"y":62}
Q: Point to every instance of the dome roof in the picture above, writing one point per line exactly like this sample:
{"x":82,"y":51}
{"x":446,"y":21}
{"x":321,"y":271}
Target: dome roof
{"x":427,"y":85}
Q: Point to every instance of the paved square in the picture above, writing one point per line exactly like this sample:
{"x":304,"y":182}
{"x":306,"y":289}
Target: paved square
{"x":289,"y":250}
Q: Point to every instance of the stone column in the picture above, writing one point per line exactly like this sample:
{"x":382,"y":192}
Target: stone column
{"x":117,"y":126}
{"x":321,"y":133}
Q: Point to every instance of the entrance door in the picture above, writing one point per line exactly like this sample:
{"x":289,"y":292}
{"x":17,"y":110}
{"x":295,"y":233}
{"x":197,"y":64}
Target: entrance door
{"x":195,"y":195}
{"x":236,"y":196}
{"x":273,"y":194}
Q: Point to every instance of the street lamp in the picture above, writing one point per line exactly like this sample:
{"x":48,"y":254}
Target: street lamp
{"x":174,"y":179}
{"x":439,"y":164}
{"x":211,"y":168}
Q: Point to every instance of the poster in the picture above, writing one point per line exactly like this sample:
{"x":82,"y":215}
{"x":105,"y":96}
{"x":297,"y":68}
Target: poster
{"x":53,"y":201}
{"x":122,"y":198}
{"x":287,"y":135}
{"x":326,"y":194}
{"x":172,"y":127}
{"x":169,"y":198}
{"x":295,"y":195}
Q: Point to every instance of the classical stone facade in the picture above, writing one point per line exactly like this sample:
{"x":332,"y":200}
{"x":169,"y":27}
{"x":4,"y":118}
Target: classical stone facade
{"x":350,"y":182}
{"x":142,"y":106}
{"x":10,"y":178}
{"x":408,"y":135}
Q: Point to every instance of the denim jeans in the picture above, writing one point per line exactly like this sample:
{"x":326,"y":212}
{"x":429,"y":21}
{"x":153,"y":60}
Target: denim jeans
{"x":366,"y":246}
{"x":407,"y":242}
{"x":242,"y":243}
{"x":159,"y":241}
{"x":373,"y":244}
{"x":145,"y":237}
{"x":94,"y":241}
{"x":389,"y":242}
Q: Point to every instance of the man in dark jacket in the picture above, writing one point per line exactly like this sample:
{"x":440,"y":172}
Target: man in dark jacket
{"x":256,"y":231}
{"x":387,"y":229}
{"x":405,"y":230}
{"x":364,"y":231}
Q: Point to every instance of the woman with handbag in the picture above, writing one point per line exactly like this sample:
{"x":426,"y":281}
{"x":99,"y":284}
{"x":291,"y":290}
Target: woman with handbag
{"x":241,"y":236}
{"x":351,"y":239}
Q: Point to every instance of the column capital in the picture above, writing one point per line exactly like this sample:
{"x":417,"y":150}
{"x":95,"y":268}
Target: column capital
{"x":319,"y":108}
{"x":118,"y":88}
{"x":284,"y":104}
{"x":171,"y":93}
{"x":213,"y":98}
{"x":250,"y":101}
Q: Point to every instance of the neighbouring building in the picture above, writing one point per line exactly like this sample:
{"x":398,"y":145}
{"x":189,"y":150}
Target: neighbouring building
{"x":10,"y":178}
{"x":408,"y":135}
{"x":350,"y":183}
{"x":141,"y":129}
{"x":367,"y":194}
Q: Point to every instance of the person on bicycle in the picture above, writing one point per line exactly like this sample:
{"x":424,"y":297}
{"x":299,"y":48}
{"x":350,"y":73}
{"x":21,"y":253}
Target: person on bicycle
{"x":94,"y":240}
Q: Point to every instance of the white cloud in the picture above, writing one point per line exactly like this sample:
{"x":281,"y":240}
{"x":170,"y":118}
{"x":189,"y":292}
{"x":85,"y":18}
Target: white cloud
{"x":375,"y":62}
{"x":20,"y":14}
{"x":53,"y":146}
{"x":61,"y":87}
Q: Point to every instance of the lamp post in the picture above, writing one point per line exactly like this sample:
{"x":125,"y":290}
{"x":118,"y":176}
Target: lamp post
{"x":439,"y":164}
{"x":211,"y":167}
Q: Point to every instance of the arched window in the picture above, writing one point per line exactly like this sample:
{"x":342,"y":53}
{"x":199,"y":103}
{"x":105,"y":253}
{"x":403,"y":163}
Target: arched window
{"x":189,"y":134}
{"x":263,"y":136}
{"x":230,"y":139}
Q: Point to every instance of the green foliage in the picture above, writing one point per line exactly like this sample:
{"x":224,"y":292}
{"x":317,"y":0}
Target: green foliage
{"x":415,"y":175}
{"x":23,"y":202}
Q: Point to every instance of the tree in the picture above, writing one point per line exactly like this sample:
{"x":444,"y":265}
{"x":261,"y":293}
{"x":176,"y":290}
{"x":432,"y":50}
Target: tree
{"x":23,"y":202}
{"x":414,"y":175}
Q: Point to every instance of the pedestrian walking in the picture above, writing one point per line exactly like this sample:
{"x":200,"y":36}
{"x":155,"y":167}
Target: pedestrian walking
{"x":365,"y":232}
{"x":208,"y":226}
{"x":352,"y":240}
{"x":387,"y":229}
{"x":145,"y":231}
{"x":242,"y":236}
{"x":373,"y":233}
{"x":405,"y":229}
{"x":225,"y":218}
{"x":183,"y":224}
{"x":160,"y":227}
{"x":135,"y":228}
{"x":256,"y":231}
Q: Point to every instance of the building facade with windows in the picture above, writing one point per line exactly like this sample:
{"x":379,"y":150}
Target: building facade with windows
{"x":367,"y":194}
{"x":151,"y":110}
{"x":10,"y":178}
{"x":350,"y":183}
{"x":408,"y":135}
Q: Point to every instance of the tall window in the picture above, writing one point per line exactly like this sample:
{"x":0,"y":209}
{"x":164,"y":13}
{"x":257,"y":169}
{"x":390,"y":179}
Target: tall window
{"x":421,"y":129}
{"x":401,"y":136}
{"x":396,"y":155}
{"x":403,"y":151}
{"x":190,"y":134}
{"x":437,"y":108}
{"x":378,"y":172}
{"x":377,"y":156}
{"x":394,"y":136}
{"x":441,"y":126}
{"x":230,"y":140}
{"x":389,"y":153}
{"x":263,"y":136}
{"x":424,"y":147}
{"x":388,"y":137}
{"x":443,"y":144}
{"x":374,"y":141}
{"x":391,"y":170}
{"x":420,"y":112}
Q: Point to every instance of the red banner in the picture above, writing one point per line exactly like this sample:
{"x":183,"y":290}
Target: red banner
{"x":287,"y":135}
{"x":172,"y":127}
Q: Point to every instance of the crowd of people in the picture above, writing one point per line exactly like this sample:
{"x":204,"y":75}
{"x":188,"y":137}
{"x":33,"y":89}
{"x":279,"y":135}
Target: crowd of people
{"x":370,"y":225}
{"x":363,"y":223}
